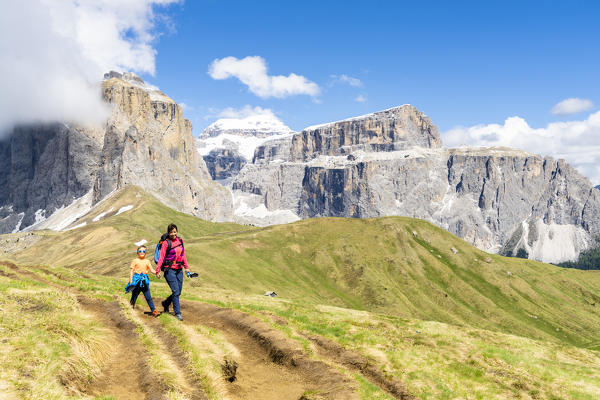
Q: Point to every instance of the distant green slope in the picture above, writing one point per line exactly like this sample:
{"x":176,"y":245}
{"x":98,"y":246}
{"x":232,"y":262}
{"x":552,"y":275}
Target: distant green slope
{"x":395,"y":265}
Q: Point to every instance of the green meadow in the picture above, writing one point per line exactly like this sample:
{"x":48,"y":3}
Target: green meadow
{"x":448,"y":320}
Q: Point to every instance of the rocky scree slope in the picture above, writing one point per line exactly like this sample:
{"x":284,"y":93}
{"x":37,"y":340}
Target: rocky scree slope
{"x":392,"y":163}
{"x":146,"y":141}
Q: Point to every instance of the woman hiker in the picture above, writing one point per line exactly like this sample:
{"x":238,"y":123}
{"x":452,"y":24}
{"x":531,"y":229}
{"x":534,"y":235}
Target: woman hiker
{"x":172,"y":261}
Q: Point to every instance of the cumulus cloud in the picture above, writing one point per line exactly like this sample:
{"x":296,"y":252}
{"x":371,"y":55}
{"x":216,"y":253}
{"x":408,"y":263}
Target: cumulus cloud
{"x":54,"y":54}
{"x":572,"y":106}
{"x":252,"y":71}
{"x":578,"y":142}
{"x":245,"y":112}
{"x":347,"y":79}
{"x":360,"y":98}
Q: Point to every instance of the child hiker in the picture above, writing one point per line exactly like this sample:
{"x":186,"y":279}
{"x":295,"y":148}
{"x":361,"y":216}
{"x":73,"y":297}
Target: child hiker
{"x":138,"y":279}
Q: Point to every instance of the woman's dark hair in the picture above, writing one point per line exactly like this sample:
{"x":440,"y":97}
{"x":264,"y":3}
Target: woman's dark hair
{"x":170,"y":228}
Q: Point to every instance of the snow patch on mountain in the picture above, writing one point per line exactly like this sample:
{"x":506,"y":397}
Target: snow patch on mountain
{"x":101,"y":215}
{"x":18,"y":226}
{"x":64,"y":216}
{"x":258,"y":125}
{"x":359,"y":118}
{"x":555,"y":243}
{"x":124,"y":209}
{"x":249,"y":209}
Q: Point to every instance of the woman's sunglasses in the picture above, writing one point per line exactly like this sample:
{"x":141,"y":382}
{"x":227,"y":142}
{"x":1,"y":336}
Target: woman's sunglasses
{"x":141,"y":251}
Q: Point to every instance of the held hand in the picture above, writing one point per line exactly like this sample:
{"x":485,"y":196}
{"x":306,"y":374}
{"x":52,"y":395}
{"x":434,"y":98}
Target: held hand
{"x":158,"y":274}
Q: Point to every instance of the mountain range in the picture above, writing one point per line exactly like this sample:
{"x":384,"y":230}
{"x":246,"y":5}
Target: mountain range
{"x":258,"y":171}
{"x":392,"y":162}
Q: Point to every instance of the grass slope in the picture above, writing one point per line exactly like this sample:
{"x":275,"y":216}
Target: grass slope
{"x":399,"y":266}
{"x":435,"y":360}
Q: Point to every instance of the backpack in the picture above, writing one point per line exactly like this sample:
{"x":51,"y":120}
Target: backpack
{"x":164,"y":237}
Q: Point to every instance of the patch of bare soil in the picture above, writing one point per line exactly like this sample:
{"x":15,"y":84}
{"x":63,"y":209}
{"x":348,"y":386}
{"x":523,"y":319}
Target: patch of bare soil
{"x":9,"y":274}
{"x":356,"y":361}
{"x":178,"y":356}
{"x":270,"y":366}
{"x":127,"y":374}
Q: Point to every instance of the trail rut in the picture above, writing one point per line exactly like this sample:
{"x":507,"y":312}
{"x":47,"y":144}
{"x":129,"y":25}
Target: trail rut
{"x":127,"y":374}
{"x":267,"y":366}
{"x":270,"y":365}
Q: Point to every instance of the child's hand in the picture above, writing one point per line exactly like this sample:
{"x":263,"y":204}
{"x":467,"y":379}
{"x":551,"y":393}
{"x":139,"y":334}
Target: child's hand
{"x":158,"y":274}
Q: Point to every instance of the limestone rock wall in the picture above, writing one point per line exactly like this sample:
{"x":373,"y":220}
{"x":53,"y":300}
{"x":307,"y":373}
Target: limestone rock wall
{"x":394,"y":129}
{"x":145,"y":142}
{"x":148,"y":143}
{"x":498,"y":199}
{"x":46,"y":167}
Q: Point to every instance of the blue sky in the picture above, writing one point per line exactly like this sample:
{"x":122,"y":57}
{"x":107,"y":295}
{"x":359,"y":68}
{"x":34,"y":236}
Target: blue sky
{"x":489,"y":73}
{"x":463,"y":63}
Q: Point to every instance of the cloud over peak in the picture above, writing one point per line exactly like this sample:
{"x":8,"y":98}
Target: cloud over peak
{"x":578,"y":142}
{"x":252,"y":71}
{"x":246,"y":111}
{"x":58,"y":50}
{"x":572,"y":105}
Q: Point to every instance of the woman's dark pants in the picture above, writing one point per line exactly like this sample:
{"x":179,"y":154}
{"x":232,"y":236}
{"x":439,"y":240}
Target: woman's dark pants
{"x":136,"y":292}
{"x":174,"y":278}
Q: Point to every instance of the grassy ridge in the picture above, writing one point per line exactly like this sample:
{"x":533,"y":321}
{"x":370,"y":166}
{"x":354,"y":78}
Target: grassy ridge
{"x":398,"y":266}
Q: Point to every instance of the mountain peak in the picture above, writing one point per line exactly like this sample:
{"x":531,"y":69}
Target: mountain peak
{"x":131,"y":79}
{"x":392,"y":113}
{"x":258,"y":125}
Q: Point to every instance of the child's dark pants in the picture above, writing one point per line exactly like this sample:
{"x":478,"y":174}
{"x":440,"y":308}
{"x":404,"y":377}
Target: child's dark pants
{"x":146,"y":290}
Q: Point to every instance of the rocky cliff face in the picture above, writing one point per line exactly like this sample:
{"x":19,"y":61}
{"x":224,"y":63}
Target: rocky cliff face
{"x":394,"y":129}
{"x":45,"y":167}
{"x":148,"y":143}
{"x":392,"y":163}
{"x":145,"y":142}
{"x":224,"y":163}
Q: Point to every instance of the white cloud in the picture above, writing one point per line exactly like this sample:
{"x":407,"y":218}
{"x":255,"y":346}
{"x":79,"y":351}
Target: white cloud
{"x":252,"y":71}
{"x":54,"y":54}
{"x":360,"y":98}
{"x":245,"y":112}
{"x":578,"y":142}
{"x":347,"y":79}
{"x":572,"y":106}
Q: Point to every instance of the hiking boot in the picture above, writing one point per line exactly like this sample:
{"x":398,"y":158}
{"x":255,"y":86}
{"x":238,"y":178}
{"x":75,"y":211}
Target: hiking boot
{"x":179,"y":317}
{"x":165,"y":307}
{"x":155,"y":313}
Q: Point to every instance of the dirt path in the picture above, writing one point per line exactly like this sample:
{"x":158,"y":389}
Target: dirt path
{"x":270,"y":365}
{"x":175,"y":354}
{"x":127,"y":374}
